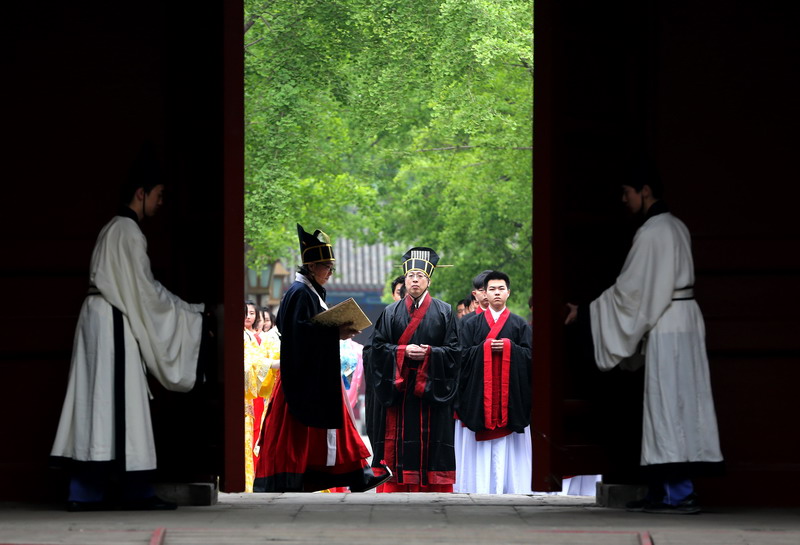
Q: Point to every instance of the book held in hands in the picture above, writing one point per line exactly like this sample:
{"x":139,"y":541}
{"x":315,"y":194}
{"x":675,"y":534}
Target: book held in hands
{"x":342,"y":313}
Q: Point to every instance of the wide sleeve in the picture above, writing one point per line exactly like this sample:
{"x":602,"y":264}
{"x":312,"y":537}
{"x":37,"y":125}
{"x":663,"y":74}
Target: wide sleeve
{"x":310,"y":365}
{"x":626,"y":311}
{"x":441,"y":369}
{"x":167,"y":329}
{"x":519,"y":387}
{"x":382,"y":360}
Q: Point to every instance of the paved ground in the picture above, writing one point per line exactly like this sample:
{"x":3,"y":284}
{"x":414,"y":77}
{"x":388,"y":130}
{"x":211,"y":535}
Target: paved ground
{"x":408,"y":519}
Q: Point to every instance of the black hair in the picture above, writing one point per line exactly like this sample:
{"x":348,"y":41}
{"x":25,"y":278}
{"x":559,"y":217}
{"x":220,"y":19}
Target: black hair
{"x":265,"y":311}
{"x":145,"y":172}
{"x":478,"y":282}
{"x":247,"y":303}
{"x":643,"y":172}
{"x":496,"y":275}
{"x":399,"y":280}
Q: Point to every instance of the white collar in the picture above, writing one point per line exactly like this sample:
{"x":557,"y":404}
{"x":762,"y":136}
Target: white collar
{"x":302,"y":278}
{"x":418,"y":302}
{"x":496,"y":315}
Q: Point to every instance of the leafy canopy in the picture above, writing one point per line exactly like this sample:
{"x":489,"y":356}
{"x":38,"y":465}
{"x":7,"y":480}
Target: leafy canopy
{"x":398,"y":121}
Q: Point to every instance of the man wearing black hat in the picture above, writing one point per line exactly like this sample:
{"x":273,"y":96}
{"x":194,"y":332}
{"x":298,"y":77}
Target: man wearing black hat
{"x":414,"y":367}
{"x":650,"y":315}
{"x":309,"y":441}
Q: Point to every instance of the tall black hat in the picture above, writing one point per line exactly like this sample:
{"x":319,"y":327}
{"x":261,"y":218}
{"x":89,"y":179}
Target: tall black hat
{"x":420,"y":258}
{"x":314,"y":248}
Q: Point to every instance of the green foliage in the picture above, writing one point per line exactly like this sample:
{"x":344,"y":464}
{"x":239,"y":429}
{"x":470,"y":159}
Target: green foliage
{"x":395,"y":120}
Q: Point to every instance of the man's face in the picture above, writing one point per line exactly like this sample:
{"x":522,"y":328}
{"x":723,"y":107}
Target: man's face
{"x":481,"y":298}
{"x":416,"y":283}
{"x":322,"y":271}
{"x":497,"y":292}
{"x":632,"y":199}
{"x":396,"y":293}
{"x":153,"y":200}
{"x":460,"y":310}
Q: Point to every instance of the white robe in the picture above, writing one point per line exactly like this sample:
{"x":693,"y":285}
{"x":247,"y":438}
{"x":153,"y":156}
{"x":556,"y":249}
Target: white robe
{"x":496,"y":466}
{"x":679,"y":424}
{"x":162,"y":334}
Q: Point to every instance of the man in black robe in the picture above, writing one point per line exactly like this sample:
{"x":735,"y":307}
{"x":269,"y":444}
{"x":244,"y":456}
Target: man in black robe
{"x":492,"y":436}
{"x":309,"y":439}
{"x":414,"y":367}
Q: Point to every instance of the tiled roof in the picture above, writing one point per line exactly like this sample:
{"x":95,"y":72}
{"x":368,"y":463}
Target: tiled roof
{"x":363,"y":268}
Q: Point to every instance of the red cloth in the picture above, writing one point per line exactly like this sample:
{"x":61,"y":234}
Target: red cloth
{"x":291,"y":447}
{"x":394,"y":487}
{"x":496,"y":372}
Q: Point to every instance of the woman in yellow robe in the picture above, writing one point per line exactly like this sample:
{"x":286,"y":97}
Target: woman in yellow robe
{"x":261,"y":356}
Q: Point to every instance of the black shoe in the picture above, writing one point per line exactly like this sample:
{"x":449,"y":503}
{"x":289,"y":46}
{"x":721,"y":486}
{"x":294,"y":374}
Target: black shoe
{"x":153,"y":503}
{"x":84,"y":506}
{"x":374,"y":481}
{"x":687,"y":506}
{"x":637,"y":506}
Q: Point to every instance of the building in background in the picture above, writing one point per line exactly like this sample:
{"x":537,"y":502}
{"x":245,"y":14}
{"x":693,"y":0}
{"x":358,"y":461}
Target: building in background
{"x":362,"y":272}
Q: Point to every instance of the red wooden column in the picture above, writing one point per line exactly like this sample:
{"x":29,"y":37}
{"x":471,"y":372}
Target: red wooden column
{"x":232,"y":479}
{"x":546,"y":347}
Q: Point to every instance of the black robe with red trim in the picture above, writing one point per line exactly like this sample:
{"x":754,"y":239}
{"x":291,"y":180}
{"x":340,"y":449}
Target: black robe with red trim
{"x":475,"y":377}
{"x":410,"y":424}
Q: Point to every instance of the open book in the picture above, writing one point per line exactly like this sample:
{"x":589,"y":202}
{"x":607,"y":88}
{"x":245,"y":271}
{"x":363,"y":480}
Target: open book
{"x":345,"y":312}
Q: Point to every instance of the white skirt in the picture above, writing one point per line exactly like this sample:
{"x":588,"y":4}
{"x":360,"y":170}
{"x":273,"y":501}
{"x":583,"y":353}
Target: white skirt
{"x":498,"y":466}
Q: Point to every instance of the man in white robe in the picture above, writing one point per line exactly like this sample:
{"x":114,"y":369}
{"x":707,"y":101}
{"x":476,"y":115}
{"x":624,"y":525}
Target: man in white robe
{"x":128,"y":322}
{"x":650,"y":315}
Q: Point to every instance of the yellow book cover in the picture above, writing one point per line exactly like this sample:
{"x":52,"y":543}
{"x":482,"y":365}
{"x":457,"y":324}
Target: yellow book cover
{"x":342,"y":313}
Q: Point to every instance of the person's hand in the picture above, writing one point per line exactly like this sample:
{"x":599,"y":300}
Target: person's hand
{"x":347,"y":331}
{"x":416,"y":351}
{"x":497,"y":345}
{"x":572,"y":313}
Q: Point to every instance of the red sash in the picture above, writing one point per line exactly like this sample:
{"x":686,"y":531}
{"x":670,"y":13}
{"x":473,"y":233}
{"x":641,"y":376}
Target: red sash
{"x":496,"y":372}
{"x":401,"y":372}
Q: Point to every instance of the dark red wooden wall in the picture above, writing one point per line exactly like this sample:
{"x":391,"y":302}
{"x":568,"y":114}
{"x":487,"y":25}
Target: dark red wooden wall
{"x":709,"y":90}
{"x":84,"y":86}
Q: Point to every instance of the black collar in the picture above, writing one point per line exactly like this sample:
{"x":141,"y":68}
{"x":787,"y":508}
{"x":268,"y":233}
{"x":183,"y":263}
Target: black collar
{"x":658,"y":207}
{"x":127,"y":212}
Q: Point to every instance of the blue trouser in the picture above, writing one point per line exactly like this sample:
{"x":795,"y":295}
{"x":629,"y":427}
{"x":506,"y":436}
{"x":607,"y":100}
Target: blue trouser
{"x":671,"y":491}
{"x":92,"y":485}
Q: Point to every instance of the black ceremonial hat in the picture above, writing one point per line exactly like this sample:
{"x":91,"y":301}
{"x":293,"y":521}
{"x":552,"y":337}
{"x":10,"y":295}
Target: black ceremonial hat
{"x":314,"y":248}
{"x":420,"y":258}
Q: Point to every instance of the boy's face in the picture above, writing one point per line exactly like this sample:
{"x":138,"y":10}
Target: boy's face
{"x":498,"y":293}
{"x":480,"y":297}
{"x":632,"y":199}
{"x":153,"y":200}
{"x":396,"y":293}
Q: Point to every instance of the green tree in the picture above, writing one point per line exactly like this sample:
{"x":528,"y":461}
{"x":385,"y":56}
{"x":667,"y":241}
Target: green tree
{"x":395,"y":120}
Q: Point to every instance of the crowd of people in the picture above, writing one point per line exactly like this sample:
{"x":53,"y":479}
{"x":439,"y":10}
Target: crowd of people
{"x":448,"y":394}
{"x":443,"y":413}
